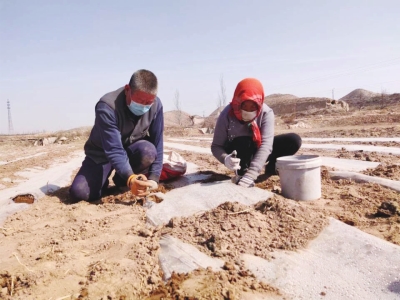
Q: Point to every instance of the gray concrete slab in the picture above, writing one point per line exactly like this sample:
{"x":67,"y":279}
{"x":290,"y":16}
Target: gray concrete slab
{"x":341,"y":263}
{"x":200,"y":197}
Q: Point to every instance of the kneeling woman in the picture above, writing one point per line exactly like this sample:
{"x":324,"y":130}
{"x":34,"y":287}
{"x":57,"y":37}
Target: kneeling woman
{"x":244,"y":135}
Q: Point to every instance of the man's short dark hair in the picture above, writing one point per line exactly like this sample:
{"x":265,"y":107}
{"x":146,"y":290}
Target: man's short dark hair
{"x":145,"y":81}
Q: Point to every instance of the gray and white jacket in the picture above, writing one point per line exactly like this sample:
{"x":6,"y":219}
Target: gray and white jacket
{"x":229,"y":127}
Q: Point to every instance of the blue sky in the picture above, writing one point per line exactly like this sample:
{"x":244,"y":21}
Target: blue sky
{"x":57,"y":58}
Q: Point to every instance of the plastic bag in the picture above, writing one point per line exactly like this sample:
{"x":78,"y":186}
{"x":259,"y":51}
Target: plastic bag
{"x":174,"y":165}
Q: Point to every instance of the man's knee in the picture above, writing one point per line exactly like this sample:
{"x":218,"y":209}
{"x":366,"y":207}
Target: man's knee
{"x":149,"y":154}
{"x":143,"y":152}
{"x":79,"y":190}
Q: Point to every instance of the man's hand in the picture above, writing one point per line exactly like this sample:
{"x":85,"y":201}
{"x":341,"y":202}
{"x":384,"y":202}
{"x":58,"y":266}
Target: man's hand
{"x":232,"y":162}
{"x":246,"y":181}
{"x":153,"y":186}
{"x":139,"y":185}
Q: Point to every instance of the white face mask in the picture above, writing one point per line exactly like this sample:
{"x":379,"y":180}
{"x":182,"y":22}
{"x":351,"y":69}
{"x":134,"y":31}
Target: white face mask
{"x":248,"y":115}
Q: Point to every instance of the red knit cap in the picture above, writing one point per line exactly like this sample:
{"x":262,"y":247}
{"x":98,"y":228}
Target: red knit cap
{"x":249,"y":89}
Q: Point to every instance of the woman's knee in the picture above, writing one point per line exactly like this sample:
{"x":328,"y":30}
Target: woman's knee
{"x":244,"y":146}
{"x":296,"y":141}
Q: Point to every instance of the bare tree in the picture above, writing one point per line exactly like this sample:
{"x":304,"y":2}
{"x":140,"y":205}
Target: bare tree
{"x":361,"y":102}
{"x":192,"y":119}
{"x":383,"y":97}
{"x":177,"y":103}
{"x":222,"y":93}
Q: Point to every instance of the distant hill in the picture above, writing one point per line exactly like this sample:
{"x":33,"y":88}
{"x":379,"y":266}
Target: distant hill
{"x":217,"y":111}
{"x":362,"y":98}
{"x":287,"y":104}
{"x":359,"y":95}
{"x":274,"y":98}
{"x":175,"y":118}
{"x":211,"y":120}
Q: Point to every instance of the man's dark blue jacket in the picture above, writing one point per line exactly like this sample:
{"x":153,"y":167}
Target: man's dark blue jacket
{"x":116,"y":127}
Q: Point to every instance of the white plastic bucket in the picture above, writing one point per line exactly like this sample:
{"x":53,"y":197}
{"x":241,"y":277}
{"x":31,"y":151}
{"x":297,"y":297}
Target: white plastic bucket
{"x":300,"y":176}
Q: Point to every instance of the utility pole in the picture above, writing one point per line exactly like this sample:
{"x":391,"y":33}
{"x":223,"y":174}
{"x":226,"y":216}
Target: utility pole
{"x":10,"y":124}
{"x":333,"y":94}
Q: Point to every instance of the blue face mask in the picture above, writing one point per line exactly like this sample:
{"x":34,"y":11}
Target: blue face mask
{"x":139,"y":109}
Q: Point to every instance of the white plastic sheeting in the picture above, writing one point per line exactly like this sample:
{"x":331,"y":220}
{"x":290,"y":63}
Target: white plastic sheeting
{"x":366,"y":148}
{"x":46,"y":181}
{"x":183,"y":258}
{"x":329,"y":162}
{"x":342,"y":262}
{"x":191,"y":176}
{"x":187,"y":147}
{"x":340,"y":139}
{"x":392,"y":184}
{"x":344,"y":164}
{"x":200,"y":197}
{"x":21,"y":158}
{"x":355,"y":139}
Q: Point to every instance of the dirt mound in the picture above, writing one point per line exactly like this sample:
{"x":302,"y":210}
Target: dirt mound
{"x":295,"y":105}
{"x":216,"y":112}
{"x":99,"y":250}
{"x":235,"y":282}
{"x":104,"y":249}
{"x":361,"y":205}
{"x":385,"y":171}
{"x":177,"y":118}
{"x":211,"y":120}
{"x":351,"y":120}
{"x":274,"y":98}
{"x":232,"y":229}
{"x":359,"y":94}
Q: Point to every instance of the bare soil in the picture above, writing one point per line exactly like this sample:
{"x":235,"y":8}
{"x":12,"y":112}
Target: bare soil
{"x":104,"y":250}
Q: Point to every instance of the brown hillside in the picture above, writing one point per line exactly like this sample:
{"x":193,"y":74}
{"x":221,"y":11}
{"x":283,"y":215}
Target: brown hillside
{"x":276,"y":98}
{"x":361,"y":98}
{"x":289,"y":104}
{"x":177,"y":118}
{"x":293,"y":105}
{"x":359,"y":95}
{"x":217,"y":111}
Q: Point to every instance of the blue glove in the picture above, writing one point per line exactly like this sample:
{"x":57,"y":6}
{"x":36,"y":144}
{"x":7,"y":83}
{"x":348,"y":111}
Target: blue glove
{"x":246,"y":181}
